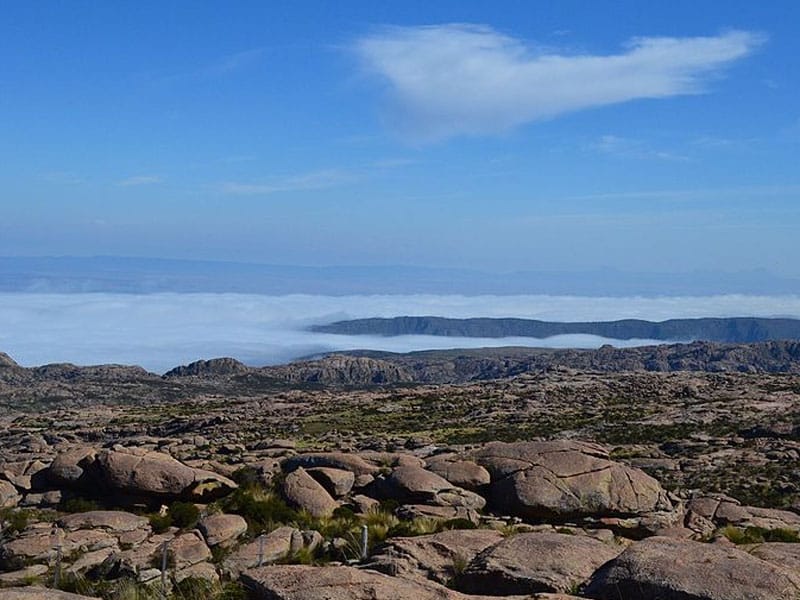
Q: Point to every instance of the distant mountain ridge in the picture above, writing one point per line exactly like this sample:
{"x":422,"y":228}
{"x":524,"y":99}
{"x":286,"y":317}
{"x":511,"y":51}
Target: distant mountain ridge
{"x":74,"y":385}
{"x":734,"y":330}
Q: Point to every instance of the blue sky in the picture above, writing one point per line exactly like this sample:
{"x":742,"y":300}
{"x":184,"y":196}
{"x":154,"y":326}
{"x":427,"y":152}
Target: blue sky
{"x":517,"y":135}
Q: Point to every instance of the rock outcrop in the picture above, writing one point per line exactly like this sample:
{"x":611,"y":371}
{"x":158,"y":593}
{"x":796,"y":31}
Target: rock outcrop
{"x":561,"y":481}
{"x":439,"y":557}
{"x":661,"y":568}
{"x":528,"y":563}
{"x":297,"y":582}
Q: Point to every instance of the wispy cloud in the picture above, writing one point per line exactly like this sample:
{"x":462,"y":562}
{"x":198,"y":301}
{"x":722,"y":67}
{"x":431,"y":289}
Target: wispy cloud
{"x":315,"y":180}
{"x":140,"y":180}
{"x":63,"y":178}
{"x":393,"y":163}
{"x":237,"y":158}
{"x":232,"y":63}
{"x":762,"y":192}
{"x":624,"y":147}
{"x":214,"y":69}
{"x":456,"y":79}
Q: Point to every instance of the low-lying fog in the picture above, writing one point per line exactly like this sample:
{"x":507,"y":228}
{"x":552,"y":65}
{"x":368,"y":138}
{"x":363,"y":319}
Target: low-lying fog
{"x":160,"y":331}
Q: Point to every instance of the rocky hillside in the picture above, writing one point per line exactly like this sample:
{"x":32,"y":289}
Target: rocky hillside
{"x":524,"y":479}
{"x":361,"y":368}
{"x":739,"y":330}
{"x":530,"y":520}
{"x":66,"y":384}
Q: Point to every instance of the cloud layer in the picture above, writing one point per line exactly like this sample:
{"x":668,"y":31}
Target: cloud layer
{"x":160,"y":331}
{"x":469,"y":79}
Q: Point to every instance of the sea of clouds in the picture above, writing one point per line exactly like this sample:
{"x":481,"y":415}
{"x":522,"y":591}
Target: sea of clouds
{"x":160,"y":331}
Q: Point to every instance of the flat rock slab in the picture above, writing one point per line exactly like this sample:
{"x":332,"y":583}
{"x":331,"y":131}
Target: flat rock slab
{"x":39,"y":593}
{"x":786,"y":555}
{"x":661,"y":568}
{"x":9,"y":497}
{"x":189,"y":549}
{"x":112,"y":520}
{"x":528,"y":563}
{"x":437,"y":557}
{"x":268,"y":548}
{"x":222,"y":529}
{"x":22,"y":576}
{"x":300,"y":582}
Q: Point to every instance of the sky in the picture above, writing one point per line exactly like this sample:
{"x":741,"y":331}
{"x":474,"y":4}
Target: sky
{"x":563,"y":135}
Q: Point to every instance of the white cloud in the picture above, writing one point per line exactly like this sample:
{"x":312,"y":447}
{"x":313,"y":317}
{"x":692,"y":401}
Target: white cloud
{"x":140,"y":180}
{"x":316,"y":180}
{"x":160,"y":331}
{"x":469,"y":79}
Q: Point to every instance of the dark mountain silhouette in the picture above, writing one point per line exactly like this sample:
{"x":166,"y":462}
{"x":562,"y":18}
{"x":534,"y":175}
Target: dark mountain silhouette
{"x":737,"y":330}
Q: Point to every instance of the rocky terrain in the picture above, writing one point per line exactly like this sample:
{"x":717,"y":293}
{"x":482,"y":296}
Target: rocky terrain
{"x":731,"y":330}
{"x":453,"y":475}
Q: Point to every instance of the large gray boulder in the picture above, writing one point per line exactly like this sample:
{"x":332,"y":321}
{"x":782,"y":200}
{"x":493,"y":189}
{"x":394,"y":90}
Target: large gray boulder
{"x":221,"y":529}
{"x":335,"y":460}
{"x":528,"y":563}
{"x":337,"y":482}
{"x":304,"y":492}
{"x":661,"y":568}
{"x":415,"y":485}
{"x":158,"y":475}
{"x":73,"y":467}
{"x":564,"y":480}
{"x":461,"y":473}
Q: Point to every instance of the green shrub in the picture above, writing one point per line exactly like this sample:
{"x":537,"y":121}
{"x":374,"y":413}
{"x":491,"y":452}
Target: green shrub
{"x":78,"y":505}
{"x":782,"y":534}
{"x":195,"y":588}
{"x":160,"y":523}
{"x":184,"y":514}
{"x":565,"y":530}
{"x":261,"y":509}
{"x":415,"y":527}
{"x":342,"y":512}
{"x":246,"y":477}
{"x":759,"y":535}
{"x":232,"y":590}
{"x":389,"y":505}
{"x":15,"y":520}
{"x":304,"y":556}
{"x":457,"y":524}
